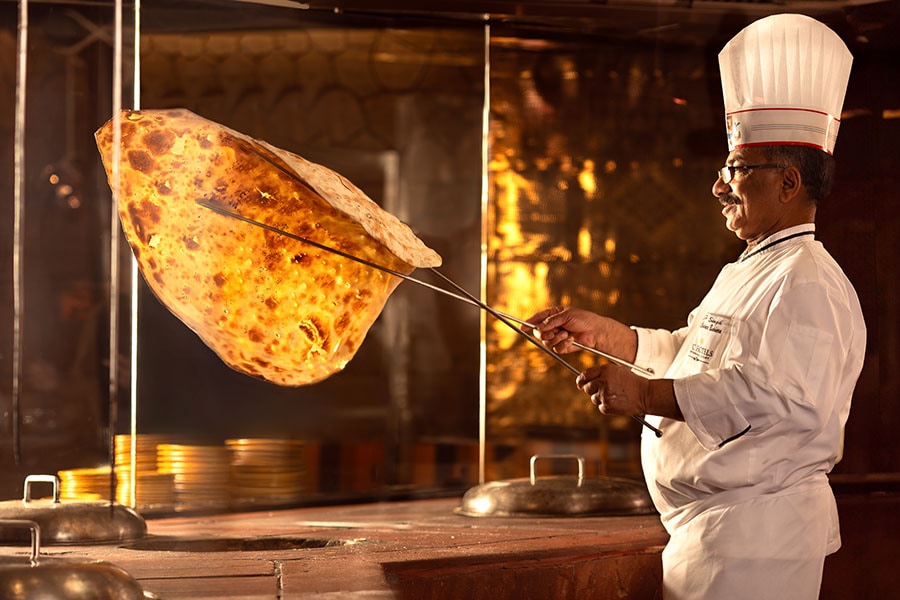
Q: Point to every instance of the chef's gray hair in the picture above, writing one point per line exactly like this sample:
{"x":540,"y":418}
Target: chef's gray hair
{"x":816,"y":167}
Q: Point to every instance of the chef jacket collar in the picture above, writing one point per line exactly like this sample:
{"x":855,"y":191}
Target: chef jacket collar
{"x":779,"y":237}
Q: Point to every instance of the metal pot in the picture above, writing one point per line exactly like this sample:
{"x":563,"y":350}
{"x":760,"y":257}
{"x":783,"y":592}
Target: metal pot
{"x":70,"y":522}
{"x":48,"y":578}
{"x":557,"y":496}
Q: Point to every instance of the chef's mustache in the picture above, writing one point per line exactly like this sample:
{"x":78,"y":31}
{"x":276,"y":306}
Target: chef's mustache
{"x":729,"y":199}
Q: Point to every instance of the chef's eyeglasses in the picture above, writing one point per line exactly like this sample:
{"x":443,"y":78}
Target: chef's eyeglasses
{"x":727,"y":172}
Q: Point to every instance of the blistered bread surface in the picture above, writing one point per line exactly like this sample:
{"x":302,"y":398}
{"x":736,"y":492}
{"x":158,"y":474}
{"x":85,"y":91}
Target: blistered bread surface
{"x":270,"y":306}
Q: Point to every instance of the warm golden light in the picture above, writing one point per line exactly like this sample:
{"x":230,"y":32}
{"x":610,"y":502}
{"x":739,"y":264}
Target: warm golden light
{"x":610,"y":246}
{"x":584,"y":243}
{"x":587,"y":180}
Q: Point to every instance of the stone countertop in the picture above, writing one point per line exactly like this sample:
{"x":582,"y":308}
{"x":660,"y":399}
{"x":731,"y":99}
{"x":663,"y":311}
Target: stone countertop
{"x":412,"y":549}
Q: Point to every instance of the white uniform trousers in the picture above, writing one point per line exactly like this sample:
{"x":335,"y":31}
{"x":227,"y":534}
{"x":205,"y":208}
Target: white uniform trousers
{"x":766,"y":548}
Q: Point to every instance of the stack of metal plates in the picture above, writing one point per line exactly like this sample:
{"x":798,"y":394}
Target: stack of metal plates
{"x":194,"y":475}
{"x":85,"y":484}
{"x":266,"y":470}
{"x":144,"y":451}
{"x":149,"y":488}
{"x":200,"y":474}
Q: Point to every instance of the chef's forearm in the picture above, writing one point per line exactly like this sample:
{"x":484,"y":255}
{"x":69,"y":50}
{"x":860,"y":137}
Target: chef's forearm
{"x":661,"y":400}
{"x":620,"y":340}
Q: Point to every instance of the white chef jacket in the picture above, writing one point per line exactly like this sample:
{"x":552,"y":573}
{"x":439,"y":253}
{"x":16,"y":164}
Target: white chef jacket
{"x":763,"y":373}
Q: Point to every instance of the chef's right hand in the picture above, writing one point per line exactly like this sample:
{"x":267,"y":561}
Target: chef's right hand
{"x":558,"y":327}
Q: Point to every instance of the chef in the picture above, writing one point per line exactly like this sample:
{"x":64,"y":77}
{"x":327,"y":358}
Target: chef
{"x":755,"y":390}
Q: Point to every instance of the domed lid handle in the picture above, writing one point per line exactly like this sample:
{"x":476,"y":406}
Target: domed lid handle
{"x":35,"y":535}
{"x":51,"y":479}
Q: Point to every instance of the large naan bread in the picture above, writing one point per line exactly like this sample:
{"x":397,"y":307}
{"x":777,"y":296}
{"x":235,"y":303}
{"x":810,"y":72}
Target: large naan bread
{"x":268,"y":305}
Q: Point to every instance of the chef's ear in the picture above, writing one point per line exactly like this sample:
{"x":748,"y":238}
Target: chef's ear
{"x":791,"y":183}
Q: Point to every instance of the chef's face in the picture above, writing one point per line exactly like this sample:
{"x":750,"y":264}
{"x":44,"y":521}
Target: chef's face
{"x":751,"y":200}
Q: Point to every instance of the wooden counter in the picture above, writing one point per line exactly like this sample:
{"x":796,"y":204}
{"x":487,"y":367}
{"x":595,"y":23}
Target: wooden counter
{"x":416,"y":549}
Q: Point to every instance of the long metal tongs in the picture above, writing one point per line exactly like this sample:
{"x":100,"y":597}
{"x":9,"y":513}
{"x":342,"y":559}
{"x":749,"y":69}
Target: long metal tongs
{"x":465,"y":296}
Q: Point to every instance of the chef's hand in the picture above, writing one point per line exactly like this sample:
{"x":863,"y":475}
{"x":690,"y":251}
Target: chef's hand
{"x":558,"y":327}
{"x":614,"y":389}
{"x":617,"y":390}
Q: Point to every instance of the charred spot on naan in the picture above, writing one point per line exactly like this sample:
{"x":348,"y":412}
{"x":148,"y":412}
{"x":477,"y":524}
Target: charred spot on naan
{"x":302,"y":259}
{"x":159,"y":141}
{"x":312,"y":329}
{"x":342,"y":324}
{"x":255,"y":335}
{"x":190,"y":243}
{"x":141,"y":161}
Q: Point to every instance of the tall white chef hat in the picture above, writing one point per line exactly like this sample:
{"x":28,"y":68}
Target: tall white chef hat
{"x":784,"y":78}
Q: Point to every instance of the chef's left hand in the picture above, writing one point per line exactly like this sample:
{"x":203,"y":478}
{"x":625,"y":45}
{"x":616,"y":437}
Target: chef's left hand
{"x":615,"y":390}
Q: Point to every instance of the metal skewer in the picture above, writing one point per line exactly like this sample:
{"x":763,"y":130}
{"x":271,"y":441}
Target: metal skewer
{"x":502,"y":317}
{"x":646,"y":371}
{"x":468,"y":298}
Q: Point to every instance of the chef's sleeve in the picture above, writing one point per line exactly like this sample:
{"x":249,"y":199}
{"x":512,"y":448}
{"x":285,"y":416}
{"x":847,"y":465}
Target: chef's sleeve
{"x":657,"y":348}
{"x":781,"y":366}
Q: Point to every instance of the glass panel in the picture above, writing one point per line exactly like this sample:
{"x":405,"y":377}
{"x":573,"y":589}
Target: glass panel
{"x":55,"y":65}
{"x":397,"y":111}
{"x":601,"y":155}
